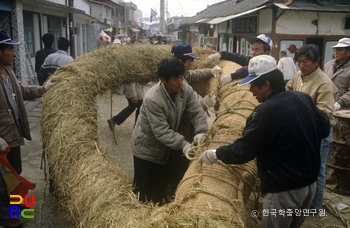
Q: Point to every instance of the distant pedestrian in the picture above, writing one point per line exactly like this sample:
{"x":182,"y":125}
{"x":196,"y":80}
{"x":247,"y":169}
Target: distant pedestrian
{"x":55,"y":60}
{"x":287,"y":66}
{"x":134,"y":94}
{"x":40,"y":56}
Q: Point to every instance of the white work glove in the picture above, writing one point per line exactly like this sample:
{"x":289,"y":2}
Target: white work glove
{"x":337,"y":106}
{"x":49,"y":84}
{"x":216,"y":70}
{"x":208,"y":156}
{"x":224,"y":80}
{"x":215,"y":58}
{"x":196,"y":138}
{"x":3,"y":145}
{"x":208,"y":101}
{"x":186,"y":148}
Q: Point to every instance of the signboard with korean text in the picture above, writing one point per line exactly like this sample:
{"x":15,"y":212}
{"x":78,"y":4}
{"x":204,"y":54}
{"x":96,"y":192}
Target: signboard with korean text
{"x":245,"y":25}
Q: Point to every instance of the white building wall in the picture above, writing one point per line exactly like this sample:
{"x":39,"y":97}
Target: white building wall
{"x":304,"y":23}
{"x":265,"y":21}
{"x":332,"y":24}
{"x":82,"y":5}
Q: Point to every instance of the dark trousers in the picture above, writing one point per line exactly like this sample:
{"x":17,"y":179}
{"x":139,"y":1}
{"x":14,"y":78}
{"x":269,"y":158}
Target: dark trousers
{"x":178,"y":165}
{"x":14,"y":158}
{"x":126,"y":112}
{"x":150,"y":180}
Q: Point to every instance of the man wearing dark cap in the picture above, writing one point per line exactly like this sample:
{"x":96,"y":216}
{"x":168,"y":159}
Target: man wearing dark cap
{"x":183,"y":51}
{"x":14,"y":125}
{"x":261,"y":45}
{"x":48,"y":40}
{"x":284,"y":133}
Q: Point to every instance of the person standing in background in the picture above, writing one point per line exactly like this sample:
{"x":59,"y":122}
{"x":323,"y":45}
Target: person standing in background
{"x":40,"y":56}
{"x":312,"y":80}
{"x":287,"y":66}
{"x":338,"y":70}
{"x":55,"y":60}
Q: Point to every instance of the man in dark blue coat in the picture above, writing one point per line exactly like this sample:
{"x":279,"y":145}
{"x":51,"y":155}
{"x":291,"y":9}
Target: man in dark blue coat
{"x":284,"y":133}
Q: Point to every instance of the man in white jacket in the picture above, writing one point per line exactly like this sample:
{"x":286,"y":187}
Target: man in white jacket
{"x":287,"y":66}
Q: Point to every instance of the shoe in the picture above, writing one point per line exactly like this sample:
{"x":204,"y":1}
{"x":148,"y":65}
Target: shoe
{"x":110,"y":124}
{"x":11,"y":223}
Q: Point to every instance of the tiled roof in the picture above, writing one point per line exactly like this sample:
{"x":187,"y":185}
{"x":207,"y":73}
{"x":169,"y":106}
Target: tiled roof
{"x":223,"y":9}
{"x":314,"y":6}
{"x":232,"y":7}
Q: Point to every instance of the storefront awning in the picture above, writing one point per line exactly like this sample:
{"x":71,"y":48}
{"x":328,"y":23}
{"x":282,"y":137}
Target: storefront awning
{"x":134,"y":29}
{"x":222,"y":19}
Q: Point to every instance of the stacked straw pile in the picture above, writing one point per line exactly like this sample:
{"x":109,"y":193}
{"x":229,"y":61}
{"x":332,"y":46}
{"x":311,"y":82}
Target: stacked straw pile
{"x":97,"y":194}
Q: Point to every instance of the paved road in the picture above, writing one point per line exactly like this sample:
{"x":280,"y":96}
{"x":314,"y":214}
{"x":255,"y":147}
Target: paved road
{"x":47,"y":211}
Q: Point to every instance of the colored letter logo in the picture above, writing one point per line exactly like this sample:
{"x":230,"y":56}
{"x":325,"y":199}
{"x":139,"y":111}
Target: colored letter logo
{"x":25,"y":213}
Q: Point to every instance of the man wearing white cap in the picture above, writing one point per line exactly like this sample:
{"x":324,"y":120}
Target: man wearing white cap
{"x":287,"y":170}
{"x":338,"y":70}
{"x":14,"y":125}
{"x":261,"y":45}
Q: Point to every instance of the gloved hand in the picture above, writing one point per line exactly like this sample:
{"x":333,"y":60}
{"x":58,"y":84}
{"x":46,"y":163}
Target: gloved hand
{"x":186,"y":148}
{"x":208,"y":156}
{"x":49,"y":84}
{"x":216,"y":70}
{"x":208,"y":101}
{"x":3,"y":145}
{"x":196,"y":138}
{"x":337,"y":106}
{"x":224,"y":80}
{"x":215,"y":58}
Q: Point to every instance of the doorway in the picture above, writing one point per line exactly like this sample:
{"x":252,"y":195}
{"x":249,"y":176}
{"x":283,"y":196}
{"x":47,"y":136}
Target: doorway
{"x":319,"y":42}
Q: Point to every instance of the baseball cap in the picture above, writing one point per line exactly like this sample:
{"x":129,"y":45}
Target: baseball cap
{"x":183,"y":49}
{"x":344,"y":42}
{"x":262,"y":37}
{"x":259,"y":65}
{"x":6,"y":39}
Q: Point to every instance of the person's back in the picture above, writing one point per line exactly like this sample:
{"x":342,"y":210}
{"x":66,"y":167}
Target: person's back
{"x":55,"y":60}
{"x":287,"y":66}
{"x":299,"y":139}
{"x":40,"y":56}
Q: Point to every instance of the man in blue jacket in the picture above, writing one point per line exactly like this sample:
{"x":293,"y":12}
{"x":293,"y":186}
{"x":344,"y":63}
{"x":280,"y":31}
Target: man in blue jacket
{"x":284,"y":133}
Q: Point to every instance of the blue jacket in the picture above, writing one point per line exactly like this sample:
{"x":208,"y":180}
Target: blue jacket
{"x":284,"y":133}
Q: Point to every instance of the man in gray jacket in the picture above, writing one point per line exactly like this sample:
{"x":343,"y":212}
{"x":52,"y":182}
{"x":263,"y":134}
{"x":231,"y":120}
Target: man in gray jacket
{"x":338,"y":70}
{"x":156,"y":135}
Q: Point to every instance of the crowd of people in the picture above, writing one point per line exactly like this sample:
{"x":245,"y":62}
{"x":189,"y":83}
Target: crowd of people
{"x":289,"y":133}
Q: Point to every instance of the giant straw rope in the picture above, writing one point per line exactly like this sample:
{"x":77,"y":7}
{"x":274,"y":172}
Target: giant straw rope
{"x":95,"y":193}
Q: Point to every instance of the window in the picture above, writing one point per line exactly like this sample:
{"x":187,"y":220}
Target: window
{"x":28,"y":32}
{"x":54,"y":27}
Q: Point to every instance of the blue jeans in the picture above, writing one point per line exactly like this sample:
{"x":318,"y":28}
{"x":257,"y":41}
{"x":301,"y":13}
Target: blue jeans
{"x":321,"y":179}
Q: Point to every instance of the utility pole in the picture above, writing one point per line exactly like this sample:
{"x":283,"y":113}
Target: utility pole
{"x":161,"y":16}
{"x":71,"y":30}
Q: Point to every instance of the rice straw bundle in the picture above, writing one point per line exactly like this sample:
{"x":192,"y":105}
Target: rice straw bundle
{"x":96,"y":193}
{"x":215,"y":196}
